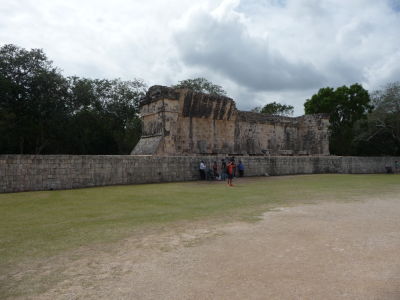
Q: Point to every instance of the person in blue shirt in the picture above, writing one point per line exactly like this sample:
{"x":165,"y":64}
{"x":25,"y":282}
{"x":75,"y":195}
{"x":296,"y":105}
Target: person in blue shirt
{"x":241,"y":168}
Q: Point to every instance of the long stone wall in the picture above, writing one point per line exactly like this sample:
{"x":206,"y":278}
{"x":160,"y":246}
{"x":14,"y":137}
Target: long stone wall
{"x":50,"y":172}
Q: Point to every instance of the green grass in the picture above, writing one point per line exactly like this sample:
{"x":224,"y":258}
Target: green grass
{"x":35,"y":226}
{"x":40,"y":224}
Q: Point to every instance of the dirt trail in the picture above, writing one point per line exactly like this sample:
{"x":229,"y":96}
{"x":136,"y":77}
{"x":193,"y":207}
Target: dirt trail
{"x":323,"y":251}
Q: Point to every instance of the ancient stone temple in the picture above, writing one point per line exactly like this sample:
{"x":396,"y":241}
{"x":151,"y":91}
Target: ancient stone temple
{"x":183,"y":122}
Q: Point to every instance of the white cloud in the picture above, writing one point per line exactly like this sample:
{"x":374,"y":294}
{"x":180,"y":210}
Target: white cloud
{"x":219,"y":40}
{"x":259,"y":50}
{"x":274,"y":48}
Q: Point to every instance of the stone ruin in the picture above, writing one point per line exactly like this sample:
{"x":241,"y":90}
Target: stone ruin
{"x":184,"y":122}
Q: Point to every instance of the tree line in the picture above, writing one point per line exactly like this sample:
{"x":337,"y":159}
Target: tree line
{"x":44,"y":112}
{"x":360,"y":123}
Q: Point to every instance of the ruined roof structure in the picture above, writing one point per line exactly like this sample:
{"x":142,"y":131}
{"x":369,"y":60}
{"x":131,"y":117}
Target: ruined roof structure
{"x":183,"y":122}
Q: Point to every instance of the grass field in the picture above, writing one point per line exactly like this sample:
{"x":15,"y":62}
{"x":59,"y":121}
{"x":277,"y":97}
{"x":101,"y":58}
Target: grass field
{"x":39,"y":228}
{"x":41,"y":224}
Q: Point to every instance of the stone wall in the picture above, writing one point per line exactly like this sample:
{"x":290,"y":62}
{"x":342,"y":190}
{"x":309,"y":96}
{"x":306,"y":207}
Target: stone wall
{"x":46,"y":172}
{"x":182,"y":122}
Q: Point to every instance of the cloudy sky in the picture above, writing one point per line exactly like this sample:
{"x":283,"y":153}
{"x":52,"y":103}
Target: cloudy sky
{"x":259,"y":50}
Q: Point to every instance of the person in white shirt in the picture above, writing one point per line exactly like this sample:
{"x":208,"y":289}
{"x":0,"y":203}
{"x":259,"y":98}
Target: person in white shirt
{"x":202,"y":170}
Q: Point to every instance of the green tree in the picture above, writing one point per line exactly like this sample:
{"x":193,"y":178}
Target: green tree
{"x":42,"y":112}
{"x":345,"y":106}
{"x":33,"y":101}
{"x":105,"y":118}
{"x":201,"y":85}
{"x":275,"y":108}
{"x":379,"y":134}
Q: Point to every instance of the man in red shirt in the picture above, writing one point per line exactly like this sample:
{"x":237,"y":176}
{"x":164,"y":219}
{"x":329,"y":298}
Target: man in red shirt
{"x":230,"y":167}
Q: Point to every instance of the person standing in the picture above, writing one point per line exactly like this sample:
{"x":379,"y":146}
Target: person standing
{"x":234,"y":167}
{"x":202,"y":169}
{"x":223,"y":169}
{"x":241,"y":168}
{"x":215,"y":170}
{"x":231,"y":169}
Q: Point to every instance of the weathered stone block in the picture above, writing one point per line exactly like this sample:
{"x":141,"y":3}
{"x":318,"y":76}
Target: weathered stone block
{"x":196,"y":123}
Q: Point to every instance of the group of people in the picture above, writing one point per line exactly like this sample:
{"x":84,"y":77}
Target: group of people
{"x":228,"y":170}
{"x":389,"y":167}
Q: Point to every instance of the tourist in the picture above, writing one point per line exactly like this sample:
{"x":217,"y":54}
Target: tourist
{"x":223,"y":169}
{"x":202,"y":170}
{"x":389,"y":169}
{"x":215,"y":170}
{"x":241,"y":168}
{"x":231,"y":169}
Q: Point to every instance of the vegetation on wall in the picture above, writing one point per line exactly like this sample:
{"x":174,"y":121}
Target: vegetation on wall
{"x":275,"y":108}
{"x":201,"y":85}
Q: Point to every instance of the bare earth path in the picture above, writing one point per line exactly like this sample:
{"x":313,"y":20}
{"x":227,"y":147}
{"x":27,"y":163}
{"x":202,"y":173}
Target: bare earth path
{"x":328,"y":250}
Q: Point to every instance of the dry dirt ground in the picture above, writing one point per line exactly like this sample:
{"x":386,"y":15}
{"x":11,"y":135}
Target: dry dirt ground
{"x":328,"y":250}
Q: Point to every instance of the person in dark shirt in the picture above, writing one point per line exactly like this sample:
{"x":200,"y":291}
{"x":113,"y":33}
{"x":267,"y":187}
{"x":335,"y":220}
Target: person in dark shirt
{"x":223,"y":170}
{"x":241,"y":168}
{"x":215,"y":170}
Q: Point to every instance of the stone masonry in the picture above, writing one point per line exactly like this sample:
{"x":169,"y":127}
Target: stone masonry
{"x":50,"y":172}
{"x":183,"y":122}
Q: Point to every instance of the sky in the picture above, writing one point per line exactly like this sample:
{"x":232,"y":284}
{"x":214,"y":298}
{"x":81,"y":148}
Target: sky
{"x":259,"y":51}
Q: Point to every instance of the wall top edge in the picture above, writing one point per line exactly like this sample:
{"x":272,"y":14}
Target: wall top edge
{"x":4,"y":156}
